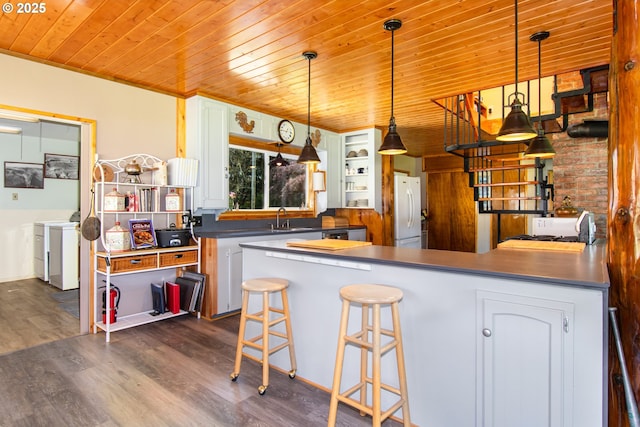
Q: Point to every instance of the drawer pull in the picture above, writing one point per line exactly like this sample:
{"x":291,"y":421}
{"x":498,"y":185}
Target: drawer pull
{"x":136,"y":261}
{"x":178,"y":256}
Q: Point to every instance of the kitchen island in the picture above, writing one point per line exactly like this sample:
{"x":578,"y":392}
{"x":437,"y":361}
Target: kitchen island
{"x":222,"y":258}
{"x":509,"y":337}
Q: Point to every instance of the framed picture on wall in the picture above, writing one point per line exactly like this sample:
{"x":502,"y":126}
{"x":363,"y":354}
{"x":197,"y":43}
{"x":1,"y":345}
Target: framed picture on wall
{"x":60,"y":166}
{"x":23,"y":175}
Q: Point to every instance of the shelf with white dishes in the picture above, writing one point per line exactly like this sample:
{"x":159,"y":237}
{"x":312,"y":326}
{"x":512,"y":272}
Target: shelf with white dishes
{"x":135,"y":269}
{"x":361,"y":174}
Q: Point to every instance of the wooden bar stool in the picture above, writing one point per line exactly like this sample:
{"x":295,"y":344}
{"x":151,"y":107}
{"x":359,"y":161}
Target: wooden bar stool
{"x":369,"y":338}
{"x":265,"y":286}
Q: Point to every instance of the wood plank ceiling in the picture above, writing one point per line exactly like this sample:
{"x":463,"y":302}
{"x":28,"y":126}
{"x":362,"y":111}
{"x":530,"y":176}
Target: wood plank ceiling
{"x":249,"y":52}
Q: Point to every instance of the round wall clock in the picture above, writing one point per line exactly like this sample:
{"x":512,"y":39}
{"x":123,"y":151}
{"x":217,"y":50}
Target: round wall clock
{"x":286,"y":131}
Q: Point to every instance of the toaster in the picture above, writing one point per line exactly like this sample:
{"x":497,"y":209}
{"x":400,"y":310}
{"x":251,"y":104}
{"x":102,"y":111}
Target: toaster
{"x":172,"y":237}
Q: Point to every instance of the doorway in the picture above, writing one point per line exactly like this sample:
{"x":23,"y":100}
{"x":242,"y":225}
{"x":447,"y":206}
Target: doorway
{"x":85,"y":130}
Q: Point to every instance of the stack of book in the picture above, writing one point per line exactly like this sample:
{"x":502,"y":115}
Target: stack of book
{"x":185,"y":293}
{"x":149,"y":199}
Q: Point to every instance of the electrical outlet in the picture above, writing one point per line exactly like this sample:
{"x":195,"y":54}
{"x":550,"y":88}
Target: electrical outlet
{"x":14,"y":196}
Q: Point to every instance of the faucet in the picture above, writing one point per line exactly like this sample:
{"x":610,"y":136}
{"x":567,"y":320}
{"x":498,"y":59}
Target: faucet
{"x":278,"y":216}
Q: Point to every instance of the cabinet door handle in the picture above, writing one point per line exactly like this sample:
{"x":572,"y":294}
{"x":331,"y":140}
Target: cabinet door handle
{"x":136,"y":261}
{"x":178,"y":256}
{"x":486,"y":332}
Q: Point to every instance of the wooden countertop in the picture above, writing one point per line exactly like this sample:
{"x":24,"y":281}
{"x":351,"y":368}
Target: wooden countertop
{"x":587,"y":268}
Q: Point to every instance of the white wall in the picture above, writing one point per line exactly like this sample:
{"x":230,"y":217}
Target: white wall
{"x":406,"y":164}
{"x":129,"y":121}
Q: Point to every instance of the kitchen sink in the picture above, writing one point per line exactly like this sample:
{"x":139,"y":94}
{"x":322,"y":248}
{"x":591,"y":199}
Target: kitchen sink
{"x":264,"y":231}
{"x":290,"y":230}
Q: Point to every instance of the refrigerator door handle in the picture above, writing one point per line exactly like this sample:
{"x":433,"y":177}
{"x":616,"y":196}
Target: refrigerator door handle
{"x":411,"y":215}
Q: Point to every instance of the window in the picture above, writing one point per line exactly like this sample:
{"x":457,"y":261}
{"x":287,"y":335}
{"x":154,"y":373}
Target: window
{"x":256,"y":185}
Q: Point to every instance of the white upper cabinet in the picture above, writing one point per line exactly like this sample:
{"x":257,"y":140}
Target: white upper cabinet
{"x":207,"y":138}
{"x":331,"y":143}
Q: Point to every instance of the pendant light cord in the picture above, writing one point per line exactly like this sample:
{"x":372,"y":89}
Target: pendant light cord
{"x":309,"y":101}
{"x":392,"y":44}
{"x":539,"y":85}
{"x":538,"y":37}
{"x":516,"y":27}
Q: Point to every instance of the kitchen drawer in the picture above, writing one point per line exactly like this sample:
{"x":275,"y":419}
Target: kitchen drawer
{"x":178,"y":258}
{"x":129,"y":263}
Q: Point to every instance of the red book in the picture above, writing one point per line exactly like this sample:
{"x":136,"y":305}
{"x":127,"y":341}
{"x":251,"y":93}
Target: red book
{"x":173,"y":297}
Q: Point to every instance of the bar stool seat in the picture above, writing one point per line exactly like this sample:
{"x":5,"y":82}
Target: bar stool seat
{"x":261,"y":342}
{"x":370,"y":340}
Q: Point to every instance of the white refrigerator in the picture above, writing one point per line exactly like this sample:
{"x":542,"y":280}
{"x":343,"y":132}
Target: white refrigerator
{"x":407,"y":224}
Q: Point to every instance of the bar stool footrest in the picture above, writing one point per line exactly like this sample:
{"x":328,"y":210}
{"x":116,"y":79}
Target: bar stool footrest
{"x":368,"y":410}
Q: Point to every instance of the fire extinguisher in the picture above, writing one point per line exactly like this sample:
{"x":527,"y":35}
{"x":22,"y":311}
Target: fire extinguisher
{"x":114,"y":301}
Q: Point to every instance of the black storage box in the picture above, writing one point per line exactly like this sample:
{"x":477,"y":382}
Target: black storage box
{"x":172,"y":237}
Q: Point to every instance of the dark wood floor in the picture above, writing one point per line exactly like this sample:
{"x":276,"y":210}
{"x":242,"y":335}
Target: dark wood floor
{"x":169,"y":373}
{"x":29,"y":316}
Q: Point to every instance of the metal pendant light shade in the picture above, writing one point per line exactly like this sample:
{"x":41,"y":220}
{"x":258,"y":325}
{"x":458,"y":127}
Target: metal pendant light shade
{"x":392,"y":143}
{"x":540,"y":146}
{"x":278,"y":160}
{"x":308,"y":154}
{"x":516,"y":126}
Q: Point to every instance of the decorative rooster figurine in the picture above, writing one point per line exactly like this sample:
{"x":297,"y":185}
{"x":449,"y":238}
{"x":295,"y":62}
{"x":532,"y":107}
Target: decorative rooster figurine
{"x":241,"y":118}
{"x":315,"y":138}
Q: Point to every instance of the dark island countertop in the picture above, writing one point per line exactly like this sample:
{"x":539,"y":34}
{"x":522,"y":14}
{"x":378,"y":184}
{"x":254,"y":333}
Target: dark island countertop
{"x":585,"y":269}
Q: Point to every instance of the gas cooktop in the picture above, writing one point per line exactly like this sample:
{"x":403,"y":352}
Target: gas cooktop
{"x":544,"y":238}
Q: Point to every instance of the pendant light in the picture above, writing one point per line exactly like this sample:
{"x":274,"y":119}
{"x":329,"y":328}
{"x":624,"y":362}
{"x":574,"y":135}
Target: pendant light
{"x":278,"y":160}
{"x":392,"y":143}
{"x":308,"y":154}
{"x":540,"y":145}
{"x":516,"y":126}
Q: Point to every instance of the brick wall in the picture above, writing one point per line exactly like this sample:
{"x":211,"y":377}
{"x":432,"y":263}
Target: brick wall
{"x":580,"y":166}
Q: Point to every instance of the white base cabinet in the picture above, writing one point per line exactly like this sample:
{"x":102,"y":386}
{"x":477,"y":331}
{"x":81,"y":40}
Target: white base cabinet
{"x":525,"y":361}
{"x":359,"y":235}
{"x":227,"y":279}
